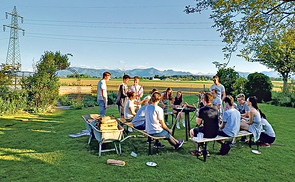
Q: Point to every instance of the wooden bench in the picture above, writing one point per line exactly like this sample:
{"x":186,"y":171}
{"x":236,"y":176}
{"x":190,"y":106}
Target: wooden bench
{"x":206,"y":140}
{"x":122,"y":121}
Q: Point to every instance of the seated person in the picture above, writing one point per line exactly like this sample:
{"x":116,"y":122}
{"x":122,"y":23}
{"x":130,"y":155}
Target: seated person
{"x":148,"y":97}
{"x":129,"y":110}
{"x":178,"y":101}
{"x":139,"y":123}
{"x":254,"y":123}
{"x":268,"y":136}
{"x":155,"y":125}
{"x":209,"y":114}
{"x":243,"y":109}
{"x":231,"y":120}
{"x":217,"y":101}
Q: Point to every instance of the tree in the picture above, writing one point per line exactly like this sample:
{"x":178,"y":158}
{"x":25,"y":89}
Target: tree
{"x":238,"y":86}
{"x":277,"y":52}
{"x":258,"y":85}
{"x":6,"y":75}
{"x":227,"y":77}
{"x":42,"y":87}
{"x":247,"y":21}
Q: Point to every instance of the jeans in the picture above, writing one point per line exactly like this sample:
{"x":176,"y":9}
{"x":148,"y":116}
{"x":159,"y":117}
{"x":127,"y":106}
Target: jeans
{"x":102,"y":108}
{"x":162,"y":133}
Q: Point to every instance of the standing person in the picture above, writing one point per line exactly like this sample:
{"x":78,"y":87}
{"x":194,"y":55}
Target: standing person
{"x":231,"y":120}
{"x":254,"y":123}
{"x":138,"y":90}
{"x":155,"y":125}
{"x":219,"y":87}
{"x":216,"y":101}
{"x":178,"y":101}
{"x":220,"y":90}
{"x":209,"y":115}
{"x":122,"y":95}
{"x":166,"y":97}
{"x":102,"y":94}
{"x":243,"y":109}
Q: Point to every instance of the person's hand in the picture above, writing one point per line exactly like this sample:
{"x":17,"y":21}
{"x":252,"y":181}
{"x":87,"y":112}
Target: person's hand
{"x":169,"y":130}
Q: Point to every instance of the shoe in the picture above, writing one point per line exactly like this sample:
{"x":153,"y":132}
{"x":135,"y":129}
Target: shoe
{"x":196,"y":153}
{"x":243,"y":139}
{"x":201,"y":154}
{"x":232,"y":145}
{"x":264,"y":145}
{"x":177,"y":125}
{"x":183,"y":123}
{"x":159,"y":145}
{"x":179,"y":144}
{"x":167,"y":124}
{"x":130,"y":129}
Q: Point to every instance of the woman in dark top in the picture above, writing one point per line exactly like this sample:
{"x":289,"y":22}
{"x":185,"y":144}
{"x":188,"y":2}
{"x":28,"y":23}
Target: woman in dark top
{"x":178,"y":102}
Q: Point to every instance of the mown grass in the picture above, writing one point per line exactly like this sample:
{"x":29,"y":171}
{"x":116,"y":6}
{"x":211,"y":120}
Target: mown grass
{"x":40,"y":149}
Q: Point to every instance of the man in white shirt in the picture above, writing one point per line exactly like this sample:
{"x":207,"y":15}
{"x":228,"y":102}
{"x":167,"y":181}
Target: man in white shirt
{"x":102,"y":94}
{"x":155,"y":124}
{"x":219,"y":87}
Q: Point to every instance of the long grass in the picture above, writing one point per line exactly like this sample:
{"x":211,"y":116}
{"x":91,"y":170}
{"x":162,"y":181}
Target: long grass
{"x":38,"y":148}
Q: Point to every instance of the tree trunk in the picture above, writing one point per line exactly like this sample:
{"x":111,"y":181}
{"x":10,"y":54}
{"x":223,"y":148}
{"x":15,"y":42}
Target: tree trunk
{"x":285,"y":79}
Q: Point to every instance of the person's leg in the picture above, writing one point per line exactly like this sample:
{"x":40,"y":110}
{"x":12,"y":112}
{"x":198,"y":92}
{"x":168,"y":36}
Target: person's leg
{"x":102,"y":110}
{"x":244,"y":125}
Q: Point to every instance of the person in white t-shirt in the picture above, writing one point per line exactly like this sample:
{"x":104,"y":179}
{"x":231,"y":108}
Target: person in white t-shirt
{"x":148,"y":97}
{"x":219,"y":87}
{"x":102,"y":94}
{"x":155,"y":124}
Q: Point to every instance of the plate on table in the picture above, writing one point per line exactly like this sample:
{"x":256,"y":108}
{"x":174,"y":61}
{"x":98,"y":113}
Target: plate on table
{"x":256,"y":151}
{"x":152,"y":164}
{"x":178,"y":107}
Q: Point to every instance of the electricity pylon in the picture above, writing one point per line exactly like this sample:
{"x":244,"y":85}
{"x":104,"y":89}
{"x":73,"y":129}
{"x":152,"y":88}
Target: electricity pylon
{"x":13,"y":52}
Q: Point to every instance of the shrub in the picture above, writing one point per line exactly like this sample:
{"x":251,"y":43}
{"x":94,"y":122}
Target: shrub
{"x":286,"y":99}
{"x":227,"y":78}
{"x":258,"y":85}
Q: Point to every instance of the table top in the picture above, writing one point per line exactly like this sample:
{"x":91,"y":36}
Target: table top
{"x":186,"y":109}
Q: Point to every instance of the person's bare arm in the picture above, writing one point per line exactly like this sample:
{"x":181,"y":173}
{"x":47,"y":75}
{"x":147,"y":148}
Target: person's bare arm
{"x":164,"y":126}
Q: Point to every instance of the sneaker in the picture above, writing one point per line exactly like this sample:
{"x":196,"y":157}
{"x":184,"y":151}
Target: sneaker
{"x":167,"y":124}
{"x":159,"y":145}
{"x":183,"y":123}
{"x":232,"y":145}
{"x":179,"y":144}
{"x":177,"y":125}
{"x":130,"y":129}
{"x":201,"y":154}
{"x":264,"y":145}
{"x":243,"y":139}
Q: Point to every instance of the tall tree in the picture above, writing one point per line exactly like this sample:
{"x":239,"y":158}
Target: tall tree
{"x":247,"y":21}
{"x":278,"y":53}
{"x":227,"y":77}
{"x":6,"y":75}
{"x":42,"y":87}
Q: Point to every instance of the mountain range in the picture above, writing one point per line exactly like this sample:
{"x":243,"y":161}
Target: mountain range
{"x":148,"y":72}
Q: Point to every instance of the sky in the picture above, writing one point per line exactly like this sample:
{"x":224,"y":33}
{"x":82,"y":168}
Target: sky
{"x":119,"y":34}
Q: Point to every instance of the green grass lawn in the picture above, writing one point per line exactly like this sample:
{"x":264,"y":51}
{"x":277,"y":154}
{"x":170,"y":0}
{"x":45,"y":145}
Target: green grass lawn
{"x":41,"y":150}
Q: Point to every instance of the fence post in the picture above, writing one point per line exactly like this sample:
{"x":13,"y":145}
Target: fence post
{"x":204,"y":87}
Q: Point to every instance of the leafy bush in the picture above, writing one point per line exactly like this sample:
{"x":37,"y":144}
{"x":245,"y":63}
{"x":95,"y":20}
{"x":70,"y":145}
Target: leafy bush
{"x":286,"y":99}
{"x":112,"y":98}
{"x":64,"y":100}
{"x":227,"y":77}
{"x":258,"y":85}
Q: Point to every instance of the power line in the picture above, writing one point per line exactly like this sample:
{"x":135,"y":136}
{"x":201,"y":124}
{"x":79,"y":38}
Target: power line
{"x":121,"y":42}
{"x":115,"y":27}
{"x":125,"y":38}
{"x":128,"y":23}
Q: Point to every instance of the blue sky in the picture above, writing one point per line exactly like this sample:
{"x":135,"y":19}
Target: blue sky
{"x":117,"y":34}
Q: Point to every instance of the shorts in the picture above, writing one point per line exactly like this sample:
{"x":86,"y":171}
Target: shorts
{"x":266,"y":139}
{"x":197,"y":130}
{"x":162,"y":133}
{"x":140,"y":127}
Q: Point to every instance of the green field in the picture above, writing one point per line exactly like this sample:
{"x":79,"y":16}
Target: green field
{"x":39,"y":149}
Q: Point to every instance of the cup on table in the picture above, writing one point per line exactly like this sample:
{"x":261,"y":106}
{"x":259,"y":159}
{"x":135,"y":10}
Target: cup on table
{"x":200,"y":136}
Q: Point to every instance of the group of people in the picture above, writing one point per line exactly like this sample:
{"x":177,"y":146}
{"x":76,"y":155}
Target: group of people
{"x":149,"y":117}
{"x":215,"y":119}
{"x":228,"y":121}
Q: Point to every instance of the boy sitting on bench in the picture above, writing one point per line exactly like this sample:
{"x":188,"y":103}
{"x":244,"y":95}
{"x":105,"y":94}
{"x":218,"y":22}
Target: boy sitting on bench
{"x":155,"y":125}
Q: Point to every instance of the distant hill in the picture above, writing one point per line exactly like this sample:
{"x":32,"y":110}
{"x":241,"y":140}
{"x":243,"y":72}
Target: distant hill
{"x":148,"y":72}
